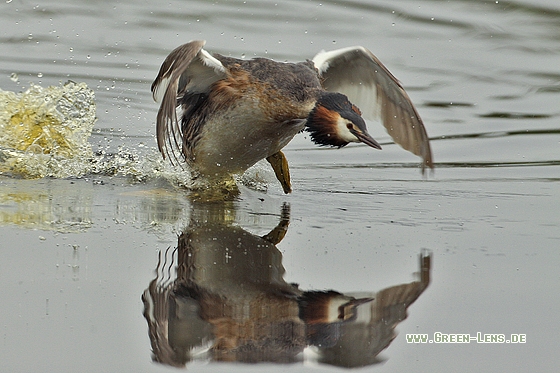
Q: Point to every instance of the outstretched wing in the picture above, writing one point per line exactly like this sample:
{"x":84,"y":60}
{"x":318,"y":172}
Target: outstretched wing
{"x":358,"y":74}
{"x":189,"y":70}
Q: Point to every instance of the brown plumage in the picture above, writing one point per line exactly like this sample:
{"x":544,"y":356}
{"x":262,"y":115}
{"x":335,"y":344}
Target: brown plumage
{"x":237,"y":112}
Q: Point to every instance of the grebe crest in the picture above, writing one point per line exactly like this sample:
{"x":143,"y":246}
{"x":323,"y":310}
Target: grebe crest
{"x":335,"y":121}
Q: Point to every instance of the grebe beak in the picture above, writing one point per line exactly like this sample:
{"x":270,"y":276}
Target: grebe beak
{"x":366,"y":139}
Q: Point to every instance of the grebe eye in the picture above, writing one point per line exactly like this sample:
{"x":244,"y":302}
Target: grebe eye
{"x":349,"y":126}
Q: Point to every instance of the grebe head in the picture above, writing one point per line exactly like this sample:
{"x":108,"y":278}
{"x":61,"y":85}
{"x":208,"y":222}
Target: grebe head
{"x":335,"y":121}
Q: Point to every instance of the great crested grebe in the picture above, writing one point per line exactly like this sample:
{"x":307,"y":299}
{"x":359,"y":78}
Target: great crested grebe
{"x":233,"y":112}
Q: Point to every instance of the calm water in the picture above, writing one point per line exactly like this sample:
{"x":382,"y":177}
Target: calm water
{"x":118,"y":268}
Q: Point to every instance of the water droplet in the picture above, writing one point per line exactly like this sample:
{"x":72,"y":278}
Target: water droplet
{"x":14,"y":77}
{"x":39,"y":75}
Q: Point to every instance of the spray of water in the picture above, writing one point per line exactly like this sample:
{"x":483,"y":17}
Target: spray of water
{"x":45,"y":132}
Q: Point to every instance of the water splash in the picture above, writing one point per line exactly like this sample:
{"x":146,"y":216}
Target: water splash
{"x":44,"y":130}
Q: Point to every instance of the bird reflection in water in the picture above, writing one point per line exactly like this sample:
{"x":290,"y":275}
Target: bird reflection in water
{"x":221,"y":296}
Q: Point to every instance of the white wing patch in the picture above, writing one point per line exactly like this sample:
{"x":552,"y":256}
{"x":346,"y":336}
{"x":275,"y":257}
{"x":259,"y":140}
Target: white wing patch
{"x":356,"y":83}
{"x":322,"y":59}
{"x":160,"y":88}
{"x":191,"y":73}
{"x":202,"y":75}
{"x":210,"y":61}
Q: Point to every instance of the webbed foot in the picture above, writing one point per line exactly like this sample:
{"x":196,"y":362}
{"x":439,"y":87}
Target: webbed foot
{"x":279,"y":164}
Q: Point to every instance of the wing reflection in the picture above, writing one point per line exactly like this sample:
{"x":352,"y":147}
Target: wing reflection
{"x":221,"y":296}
